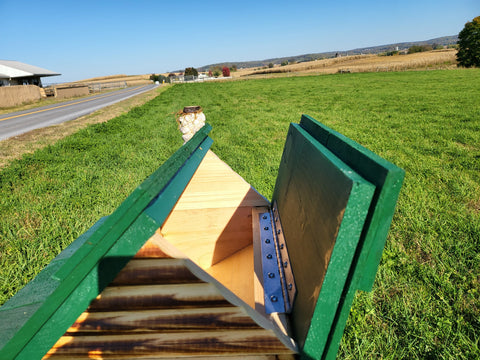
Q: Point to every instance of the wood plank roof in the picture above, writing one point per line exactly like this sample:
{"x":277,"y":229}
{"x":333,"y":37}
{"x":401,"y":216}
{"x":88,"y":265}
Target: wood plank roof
{"x":156,"y":307}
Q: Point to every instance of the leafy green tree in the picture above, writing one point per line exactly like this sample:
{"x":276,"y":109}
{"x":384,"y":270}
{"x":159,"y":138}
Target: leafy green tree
{"x":162,"y":79}
{"x":216,"y":70}
{"x":468,"y":54}
{"x":191,"y":71}
{"x":419,"y":48}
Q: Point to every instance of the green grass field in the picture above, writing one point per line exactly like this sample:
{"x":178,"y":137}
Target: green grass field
{"x":425,"y":302}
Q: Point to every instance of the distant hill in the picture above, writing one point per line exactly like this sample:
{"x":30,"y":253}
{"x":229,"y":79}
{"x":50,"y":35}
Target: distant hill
{"x":443,"y":41}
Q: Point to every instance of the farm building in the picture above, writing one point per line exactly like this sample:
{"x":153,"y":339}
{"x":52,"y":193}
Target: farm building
{"x":17,"y":73}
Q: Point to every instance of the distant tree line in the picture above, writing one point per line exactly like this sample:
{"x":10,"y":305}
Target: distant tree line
{"x":419,"y":48}
{"x":223,"y":70}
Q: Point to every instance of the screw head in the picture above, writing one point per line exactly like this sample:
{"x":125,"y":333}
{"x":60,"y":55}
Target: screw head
{"x":265,"y":228}
{"x":264,"y":217}
{"x":290,"y":286}
{"x":274,"y":298}
{"x":271,"y":275}
{"x":282,"y":246}
{"x":267,"y":241}
{"x":285,"y":264}
{"x":269,"y":256}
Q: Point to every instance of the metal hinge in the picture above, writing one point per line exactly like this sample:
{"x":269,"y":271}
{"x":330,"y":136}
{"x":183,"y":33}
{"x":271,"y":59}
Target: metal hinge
{"x":278,"y":282}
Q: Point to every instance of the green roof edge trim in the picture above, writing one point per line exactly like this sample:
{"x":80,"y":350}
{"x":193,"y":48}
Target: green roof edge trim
{"x":34,"y":319}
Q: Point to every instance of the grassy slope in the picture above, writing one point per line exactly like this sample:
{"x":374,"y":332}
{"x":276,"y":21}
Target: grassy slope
{"x":425,"y":300}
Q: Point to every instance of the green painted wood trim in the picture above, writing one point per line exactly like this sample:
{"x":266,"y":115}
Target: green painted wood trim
{"x":388,"y":180}
{"x":28,"y":299}
{"x":338,"y":326}
{"x":309,"y":174}
{"x":337,"y":272}
{"x":87,"y":290}
{"x":116,"y":258}
{"x":74,"y":275}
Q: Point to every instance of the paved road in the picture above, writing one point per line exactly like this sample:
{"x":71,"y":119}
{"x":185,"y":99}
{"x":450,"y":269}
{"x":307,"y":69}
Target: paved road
{"x":20,"y":122}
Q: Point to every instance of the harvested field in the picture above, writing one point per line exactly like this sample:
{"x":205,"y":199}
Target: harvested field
{"x":138,"y":82}
{"x":437,"y":59}
{"x":115,"y":81}
{"x":114,"y":78}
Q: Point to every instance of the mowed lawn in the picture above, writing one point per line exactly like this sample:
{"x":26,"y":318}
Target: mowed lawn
{"x":425,"y":302}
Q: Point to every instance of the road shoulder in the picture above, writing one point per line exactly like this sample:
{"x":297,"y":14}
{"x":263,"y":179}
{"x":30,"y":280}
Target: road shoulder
{"x":15,"y":147}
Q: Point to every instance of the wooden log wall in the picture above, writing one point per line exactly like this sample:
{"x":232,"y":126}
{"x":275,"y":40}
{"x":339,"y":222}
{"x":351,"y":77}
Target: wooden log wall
{"x":156,"y":308}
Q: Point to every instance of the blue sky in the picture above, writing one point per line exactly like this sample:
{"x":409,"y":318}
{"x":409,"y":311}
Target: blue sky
{"x":88,"y":38}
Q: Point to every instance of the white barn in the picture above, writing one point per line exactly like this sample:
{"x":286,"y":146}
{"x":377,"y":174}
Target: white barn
{"x":17,"y":73}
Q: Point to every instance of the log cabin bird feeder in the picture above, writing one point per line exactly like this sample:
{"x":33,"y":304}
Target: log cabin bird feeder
{"x":196,"y":264}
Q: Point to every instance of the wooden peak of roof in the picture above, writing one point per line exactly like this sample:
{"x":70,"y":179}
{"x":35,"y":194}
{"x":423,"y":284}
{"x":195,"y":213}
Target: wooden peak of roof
{"x":190,"y":289}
